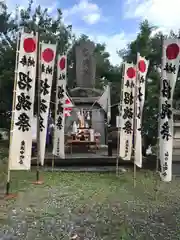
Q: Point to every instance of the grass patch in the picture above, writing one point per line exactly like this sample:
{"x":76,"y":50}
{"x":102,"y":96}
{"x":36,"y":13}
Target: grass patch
{"x":91,"y":205}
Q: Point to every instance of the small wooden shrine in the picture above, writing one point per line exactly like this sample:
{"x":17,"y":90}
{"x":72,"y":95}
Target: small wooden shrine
{"x":82,"y":134}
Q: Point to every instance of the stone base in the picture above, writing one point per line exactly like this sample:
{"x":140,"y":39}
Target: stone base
{"x":176,"y":150}
{"x":176,"y":143}
{"x":176,"y":169}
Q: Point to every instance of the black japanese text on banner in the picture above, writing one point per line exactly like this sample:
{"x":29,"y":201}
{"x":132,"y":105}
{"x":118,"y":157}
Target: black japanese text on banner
{"x":58,"y":148}
{"x":48,"y":54}
{"x":21,"y":142}
{"x":127,"y":116}
{"x":170,"y":67}
{"x":142,"y":68}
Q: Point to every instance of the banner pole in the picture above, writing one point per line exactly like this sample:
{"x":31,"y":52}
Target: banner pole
{"x":38,"y":107}
{"x":53,"y":160}
{"x":135,"y":123}
{"x":119,"y":128}
{"x":55,"y":116}
{"x":159,"y":115}
{"x":158,"y":141}
{"x":12,"y":118}
{"x":117,"y":157}
{"x":38,"y":79}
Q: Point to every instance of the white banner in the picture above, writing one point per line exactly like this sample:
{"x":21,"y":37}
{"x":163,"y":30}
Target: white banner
{"x":48,"y":54}
{"x":105,"y":102}
{"x":59,"y":147}
{"x":21,"y":141}
{"x":170,"y":67}
{"x":127,"y":116}
{"x":141,"y":70}
{"x":118,"y":120}
{"x":68,"y":106}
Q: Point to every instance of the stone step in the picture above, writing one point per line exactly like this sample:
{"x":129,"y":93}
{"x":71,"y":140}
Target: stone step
{"x":176,"y":158}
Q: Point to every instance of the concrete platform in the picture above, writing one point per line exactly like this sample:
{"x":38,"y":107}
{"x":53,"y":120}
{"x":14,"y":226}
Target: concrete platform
{"x":86,"y":169}
{"x":100,"y":158}
{"x":99,"y":163}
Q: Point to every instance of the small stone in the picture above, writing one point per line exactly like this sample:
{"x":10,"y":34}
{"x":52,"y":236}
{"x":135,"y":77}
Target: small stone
{"x":74,"y":237}
{"x":122,"y":170}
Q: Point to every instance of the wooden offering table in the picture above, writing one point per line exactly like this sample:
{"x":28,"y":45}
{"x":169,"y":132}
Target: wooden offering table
{"x":83,"y":140}
{"x":81,"y":144}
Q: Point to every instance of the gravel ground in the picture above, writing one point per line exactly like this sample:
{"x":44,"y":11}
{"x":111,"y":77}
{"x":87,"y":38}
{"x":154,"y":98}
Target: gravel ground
{"x":91,"y":206}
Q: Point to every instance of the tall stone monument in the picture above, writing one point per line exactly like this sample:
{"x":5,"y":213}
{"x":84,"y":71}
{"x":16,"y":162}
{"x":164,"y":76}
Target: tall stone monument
{"x":85,"y":64}
{"x":176,"y":142}
{"x":84,"y":95}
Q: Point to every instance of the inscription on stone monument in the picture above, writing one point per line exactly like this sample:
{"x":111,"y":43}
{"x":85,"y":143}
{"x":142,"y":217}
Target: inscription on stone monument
{"x":85,"y":64}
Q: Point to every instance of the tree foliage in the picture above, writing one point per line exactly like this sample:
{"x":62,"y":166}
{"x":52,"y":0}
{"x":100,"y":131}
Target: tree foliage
{"x":51,"y":29}
{"x":149,"y":44}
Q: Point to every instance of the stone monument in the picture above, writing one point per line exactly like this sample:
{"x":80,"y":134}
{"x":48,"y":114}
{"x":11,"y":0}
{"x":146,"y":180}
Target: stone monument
{"x":176,"y":140}
{"x":176,"y":143}
{"x":84,"y":95}
{"x":85,"y":64}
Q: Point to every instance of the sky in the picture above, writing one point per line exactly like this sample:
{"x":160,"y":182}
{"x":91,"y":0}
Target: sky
{"x":114,"y":22}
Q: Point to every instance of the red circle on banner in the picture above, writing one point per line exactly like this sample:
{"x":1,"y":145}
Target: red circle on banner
{"x":48,"y":55}
{"x":172,"y":51}
{"x":142,"y":66}
{"x":62,"y":63}
{"x":131,"y":72}
{"x":29,"y":45}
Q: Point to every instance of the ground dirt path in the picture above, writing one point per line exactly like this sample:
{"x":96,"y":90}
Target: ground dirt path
{"x":91,"y":206}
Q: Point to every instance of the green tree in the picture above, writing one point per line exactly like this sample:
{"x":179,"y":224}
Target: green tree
{"x":148,"y":45}
{"x":7,"y":63}
{"x":50,"y":30}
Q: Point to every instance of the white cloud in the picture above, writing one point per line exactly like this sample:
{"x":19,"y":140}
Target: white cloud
{"x":113,"y":44}
{"x":92,"y":18}
{"x":90,"y":13}
{"x":86,"y":10}
{"x":162,"y":13}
